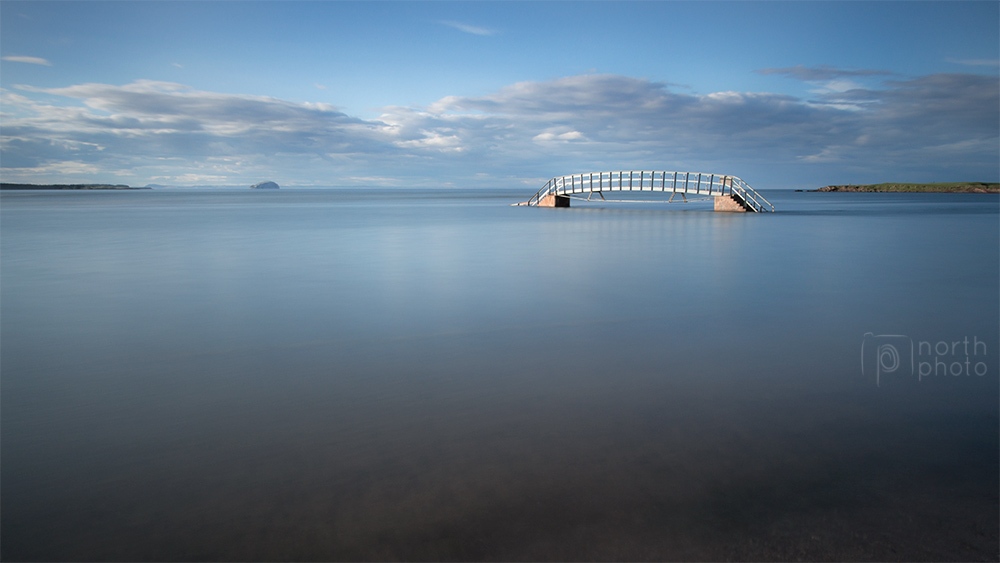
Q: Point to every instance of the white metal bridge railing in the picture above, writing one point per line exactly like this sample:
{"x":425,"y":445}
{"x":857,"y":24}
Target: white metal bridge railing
{"x":695,"y":183}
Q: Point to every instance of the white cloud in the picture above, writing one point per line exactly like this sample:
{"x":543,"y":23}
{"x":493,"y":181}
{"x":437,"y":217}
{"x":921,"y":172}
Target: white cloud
{"x":828,"y":154}
{"x":29,"y":60}
{"x":66,"y":168}
{"x":474,"y":30}
{"x":975,"y":62}
{"x":524,"y":130}
{"x":822,"y":72}
{"x":373,"y":180}
{"x":567,"y":136}
{"x":434,"y":140}
{"x":839,"y":85}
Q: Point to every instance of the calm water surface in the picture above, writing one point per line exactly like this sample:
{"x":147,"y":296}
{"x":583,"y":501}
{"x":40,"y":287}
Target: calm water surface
{"x":321,"y":374}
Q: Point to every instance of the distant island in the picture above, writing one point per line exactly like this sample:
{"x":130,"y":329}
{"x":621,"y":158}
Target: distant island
{"x":953,"y":187}
{"x":8,"y":186}
{"x":264,"y":186}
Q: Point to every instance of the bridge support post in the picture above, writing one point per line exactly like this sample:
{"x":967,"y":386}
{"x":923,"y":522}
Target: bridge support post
{"x":553,"y":200}
{"x":728,"y":203}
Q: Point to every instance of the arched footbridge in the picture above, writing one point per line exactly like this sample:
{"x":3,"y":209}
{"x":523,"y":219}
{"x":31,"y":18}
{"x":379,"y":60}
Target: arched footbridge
{"x":730,"y":192}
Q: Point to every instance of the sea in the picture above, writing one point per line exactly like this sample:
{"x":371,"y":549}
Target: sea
{"x":346,"y":374}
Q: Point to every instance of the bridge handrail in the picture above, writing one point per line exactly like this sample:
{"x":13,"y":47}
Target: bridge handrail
{"x":715,"y":183}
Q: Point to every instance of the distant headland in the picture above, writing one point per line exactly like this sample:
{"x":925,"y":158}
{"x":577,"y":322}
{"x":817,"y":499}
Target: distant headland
{"x":953,"y":187}
{"x":7,"y":186}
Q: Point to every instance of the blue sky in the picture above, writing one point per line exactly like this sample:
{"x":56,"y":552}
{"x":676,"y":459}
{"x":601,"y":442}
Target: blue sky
{"x":497,"y":94}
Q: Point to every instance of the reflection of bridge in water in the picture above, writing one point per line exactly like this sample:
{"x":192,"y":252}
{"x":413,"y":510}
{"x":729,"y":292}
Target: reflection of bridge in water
{"x":730,"y":192}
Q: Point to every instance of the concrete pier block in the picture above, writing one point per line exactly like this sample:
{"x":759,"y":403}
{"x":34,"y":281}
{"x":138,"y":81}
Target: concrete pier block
{"x":728,"y":203}
{"x":553,"y":200}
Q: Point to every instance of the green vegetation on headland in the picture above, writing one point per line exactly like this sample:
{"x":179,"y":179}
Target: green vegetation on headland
{"x":953,"y":187}
{"x":6,"y":186}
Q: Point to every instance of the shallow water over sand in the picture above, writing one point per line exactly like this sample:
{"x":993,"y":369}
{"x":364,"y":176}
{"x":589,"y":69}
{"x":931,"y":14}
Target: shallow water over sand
{"x":316,"y":375}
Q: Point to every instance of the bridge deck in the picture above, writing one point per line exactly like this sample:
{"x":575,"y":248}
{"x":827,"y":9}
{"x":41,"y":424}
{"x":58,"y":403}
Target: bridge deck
{"x":688,"y":183}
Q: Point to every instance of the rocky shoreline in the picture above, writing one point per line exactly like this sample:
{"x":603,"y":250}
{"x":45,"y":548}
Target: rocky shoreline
{"x":957,"y":187}
{"x":7,"y":186}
